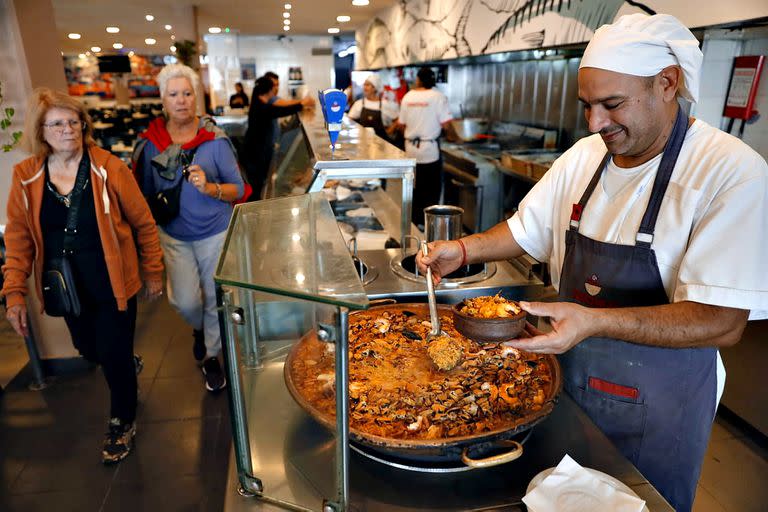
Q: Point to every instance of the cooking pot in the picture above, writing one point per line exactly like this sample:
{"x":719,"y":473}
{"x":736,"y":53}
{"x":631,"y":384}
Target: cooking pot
{"x":441,"y":449}
{"x":470,"y":128}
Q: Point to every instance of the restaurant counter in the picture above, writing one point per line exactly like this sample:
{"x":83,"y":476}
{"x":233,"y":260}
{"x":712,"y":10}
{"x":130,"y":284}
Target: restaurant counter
{"x":293,"y":456}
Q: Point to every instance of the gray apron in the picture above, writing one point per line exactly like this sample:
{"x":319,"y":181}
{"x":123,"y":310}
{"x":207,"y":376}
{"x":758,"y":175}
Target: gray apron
{"x":655,"y":404}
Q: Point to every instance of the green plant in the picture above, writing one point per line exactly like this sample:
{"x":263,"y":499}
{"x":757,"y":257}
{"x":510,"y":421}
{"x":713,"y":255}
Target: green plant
{"x":186,"y":51}
{"x":6,"y":118}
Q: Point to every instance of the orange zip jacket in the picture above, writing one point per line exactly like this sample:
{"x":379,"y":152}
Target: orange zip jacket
{"x":120,"y":210}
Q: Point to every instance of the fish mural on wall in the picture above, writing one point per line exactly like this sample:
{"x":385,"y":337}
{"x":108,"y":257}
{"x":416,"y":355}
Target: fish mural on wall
{"x":427,"y":30}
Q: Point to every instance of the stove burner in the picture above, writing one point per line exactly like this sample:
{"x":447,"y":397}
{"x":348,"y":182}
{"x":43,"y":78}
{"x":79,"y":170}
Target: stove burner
{"x":405,"y":267}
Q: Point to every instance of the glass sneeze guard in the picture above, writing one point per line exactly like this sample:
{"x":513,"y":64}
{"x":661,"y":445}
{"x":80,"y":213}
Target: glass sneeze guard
{"x":290,"y":246}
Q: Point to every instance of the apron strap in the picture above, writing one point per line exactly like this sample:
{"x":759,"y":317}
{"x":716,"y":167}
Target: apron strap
{"x":578,"y":208}
{"x":661,"y":180}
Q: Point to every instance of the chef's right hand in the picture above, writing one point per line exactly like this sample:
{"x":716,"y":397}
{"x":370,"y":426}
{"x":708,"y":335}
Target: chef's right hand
{"x":308,"y":102}
{"x":444,"y":257}
{"x":17,"y":315}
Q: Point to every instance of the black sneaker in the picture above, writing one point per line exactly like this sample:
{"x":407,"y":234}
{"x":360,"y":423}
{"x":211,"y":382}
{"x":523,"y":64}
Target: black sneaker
{"x":118,"y":441}
{"x":138,"y":362}
{"x":198,"y":347}
{"x":214,"y":376}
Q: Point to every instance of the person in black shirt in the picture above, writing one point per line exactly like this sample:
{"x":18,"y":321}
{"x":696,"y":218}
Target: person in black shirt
{"x":259,"y":138}
{"x":239,"y":99}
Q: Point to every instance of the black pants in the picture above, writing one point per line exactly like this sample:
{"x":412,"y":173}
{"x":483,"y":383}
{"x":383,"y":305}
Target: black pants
{"x":257,"y":171}
{"x":104,"y":335}
{"x":427,"y":187}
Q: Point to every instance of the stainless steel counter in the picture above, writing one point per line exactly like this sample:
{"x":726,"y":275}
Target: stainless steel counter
{"x":293,"y":456}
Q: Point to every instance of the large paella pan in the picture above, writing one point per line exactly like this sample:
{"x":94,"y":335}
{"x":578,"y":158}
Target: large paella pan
{"x":401,"y":404}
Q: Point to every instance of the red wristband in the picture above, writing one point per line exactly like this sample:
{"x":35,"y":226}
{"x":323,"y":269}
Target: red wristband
{"x":463,"y":253}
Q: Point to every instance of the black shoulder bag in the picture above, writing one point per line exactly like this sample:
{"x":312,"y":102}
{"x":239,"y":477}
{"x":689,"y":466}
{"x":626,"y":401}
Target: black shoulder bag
{"x":165,"y":204}
{"x":59,"y":292}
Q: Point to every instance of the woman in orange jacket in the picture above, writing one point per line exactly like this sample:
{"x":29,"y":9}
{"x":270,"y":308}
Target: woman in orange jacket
{"x":106,"y":267}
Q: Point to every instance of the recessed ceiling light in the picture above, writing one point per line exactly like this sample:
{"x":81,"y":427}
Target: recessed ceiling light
{"x":343,"y":19}
{"x":117,"y":46}
{"x":168,"y":27}
{"x":287,"y":7}
{"x":214,"y":30}
{"x":173,"y":49}
{"x":286,"y":15}
{"x":360,"y":2}
{"x":149,"y":40}
{"x":173,"y":37}
{"x":95,"y":49}
{"x":82,"y":55}
{"x":286,"y":22}
{"x":131,"y":53}
{"x":87,"y":53}
{"x":74,"y":35}
{"x":333,"y":30}
{"x":149,"y":17}
{"x":113,"y":30}
{"x":286,"y":28}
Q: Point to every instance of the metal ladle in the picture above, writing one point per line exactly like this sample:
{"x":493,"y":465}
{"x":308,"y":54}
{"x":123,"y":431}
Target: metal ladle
{"x":447,"y":353}
{"x":434,"y":318}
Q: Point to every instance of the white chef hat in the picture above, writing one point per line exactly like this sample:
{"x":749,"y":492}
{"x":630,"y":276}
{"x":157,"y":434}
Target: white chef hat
{"x":375,"y":81}
{"x":642,"y":45}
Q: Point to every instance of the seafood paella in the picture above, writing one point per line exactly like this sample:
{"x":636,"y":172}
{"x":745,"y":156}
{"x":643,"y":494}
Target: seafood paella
{"x":397,"y":392}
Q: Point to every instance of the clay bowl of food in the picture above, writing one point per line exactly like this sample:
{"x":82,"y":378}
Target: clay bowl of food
{"x":489,"y":319}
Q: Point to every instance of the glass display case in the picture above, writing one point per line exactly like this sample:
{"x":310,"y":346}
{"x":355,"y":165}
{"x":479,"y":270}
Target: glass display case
{"x":284,"y":272}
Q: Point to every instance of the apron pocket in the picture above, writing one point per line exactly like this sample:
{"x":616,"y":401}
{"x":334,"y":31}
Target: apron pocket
{"x":622,"y":421}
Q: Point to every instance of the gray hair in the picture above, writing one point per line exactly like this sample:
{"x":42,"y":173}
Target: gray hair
{"x":177,"y":71}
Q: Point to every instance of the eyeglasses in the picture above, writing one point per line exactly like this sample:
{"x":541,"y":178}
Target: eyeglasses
{"x":59,"y":126}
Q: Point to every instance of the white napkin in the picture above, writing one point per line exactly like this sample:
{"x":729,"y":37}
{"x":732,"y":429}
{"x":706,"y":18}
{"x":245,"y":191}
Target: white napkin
{"x":360,"y":212}
{"x":572,"y":488}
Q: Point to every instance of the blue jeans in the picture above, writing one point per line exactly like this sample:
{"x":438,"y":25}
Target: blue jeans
{"x":191,"y":290}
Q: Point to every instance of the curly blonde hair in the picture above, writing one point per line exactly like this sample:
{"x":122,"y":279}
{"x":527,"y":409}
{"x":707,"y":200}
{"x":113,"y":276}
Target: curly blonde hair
{"x":39,"y":103}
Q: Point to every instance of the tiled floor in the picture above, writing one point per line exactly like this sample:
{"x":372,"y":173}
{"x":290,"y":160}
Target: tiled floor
{"x":50,"y":440}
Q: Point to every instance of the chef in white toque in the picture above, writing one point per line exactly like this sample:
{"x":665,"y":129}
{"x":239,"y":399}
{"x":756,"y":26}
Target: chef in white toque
{"x":635,"y":223}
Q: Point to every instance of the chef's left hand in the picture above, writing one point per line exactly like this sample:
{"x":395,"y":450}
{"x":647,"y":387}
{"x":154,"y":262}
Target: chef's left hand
{"x":570,"y":325}
{"x":197,"y":178}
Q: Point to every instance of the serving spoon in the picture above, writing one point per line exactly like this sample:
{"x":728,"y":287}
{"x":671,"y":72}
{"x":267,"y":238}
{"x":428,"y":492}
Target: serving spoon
{"x":445,"y":354}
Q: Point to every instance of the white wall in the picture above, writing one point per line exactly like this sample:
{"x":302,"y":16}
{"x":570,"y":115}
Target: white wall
{"x":16,"y":84}
{"x":720,"y":47}
{"x":271,"y":54}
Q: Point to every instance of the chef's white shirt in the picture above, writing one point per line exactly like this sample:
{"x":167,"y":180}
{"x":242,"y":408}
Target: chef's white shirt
{"x":389,"y":109}
{"x":711,"y":237}
{"x":423,"y":111}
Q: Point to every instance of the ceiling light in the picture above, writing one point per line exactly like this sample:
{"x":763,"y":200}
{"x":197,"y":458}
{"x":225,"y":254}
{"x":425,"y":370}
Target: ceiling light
{"x":360,"y":2}
{"x":87,"y":53}
{"x":149,"y":40}
{"x":286,"y":15}
{"x":113,"y":30}
{"x":287,"y":7}
{"x":214,"y":30}
{"x":333,"y":30}
{"x":173,"y":49}
{"x":286,"y":22}
{"x":343,"y":19}
{"x":131,"y":53}
{"x":168,"y":27}
{"x":173,"y":37}
{"x":82,"y":55}
{"x":74,"y":35}
{"x":286,"y":28}
{"x":95,"y":49}
{"x":149,"y":17}
{"x":117,"y":46}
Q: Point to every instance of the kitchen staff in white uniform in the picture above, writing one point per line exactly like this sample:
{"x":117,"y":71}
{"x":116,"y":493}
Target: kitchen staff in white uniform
{"x":373,"y":110}
{"x":424,"y":113}
{"x":654,"y":229}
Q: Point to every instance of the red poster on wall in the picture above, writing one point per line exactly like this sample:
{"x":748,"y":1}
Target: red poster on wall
{"x":745,"y":78}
